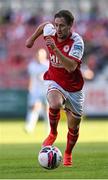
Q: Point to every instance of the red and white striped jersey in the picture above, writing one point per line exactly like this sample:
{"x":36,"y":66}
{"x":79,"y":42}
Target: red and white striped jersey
{"x":72,"y":47}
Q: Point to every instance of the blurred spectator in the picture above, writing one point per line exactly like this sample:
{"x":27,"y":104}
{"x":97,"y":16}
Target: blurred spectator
{"x":17,"y":24}
{"x":37,"y":104}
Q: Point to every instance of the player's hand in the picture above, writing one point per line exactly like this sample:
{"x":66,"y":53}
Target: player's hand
{"x":50,"y":42}
{"x":29,"y":43}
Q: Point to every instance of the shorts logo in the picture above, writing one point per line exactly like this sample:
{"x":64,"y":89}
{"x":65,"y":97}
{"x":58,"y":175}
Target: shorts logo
{"x":66,"y":48}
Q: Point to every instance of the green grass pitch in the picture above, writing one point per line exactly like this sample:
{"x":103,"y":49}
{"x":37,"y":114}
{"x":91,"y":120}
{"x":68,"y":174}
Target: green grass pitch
{"x":19,"y":151}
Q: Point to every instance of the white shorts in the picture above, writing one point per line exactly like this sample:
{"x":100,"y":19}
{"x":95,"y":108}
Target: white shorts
{"x":73,"y":100}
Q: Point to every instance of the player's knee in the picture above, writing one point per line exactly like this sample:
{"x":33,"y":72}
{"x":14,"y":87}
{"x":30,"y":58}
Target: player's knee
{"x":76,"y":116}
{"x":55,"y":105}
{"x":55,"y":99}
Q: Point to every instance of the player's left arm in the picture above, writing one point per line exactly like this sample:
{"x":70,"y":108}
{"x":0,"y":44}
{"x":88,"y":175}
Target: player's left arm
{"x":71,"y":62}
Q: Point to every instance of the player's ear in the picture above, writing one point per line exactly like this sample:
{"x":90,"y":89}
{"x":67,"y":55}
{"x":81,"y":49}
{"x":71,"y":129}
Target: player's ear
{"x":70,"y":27}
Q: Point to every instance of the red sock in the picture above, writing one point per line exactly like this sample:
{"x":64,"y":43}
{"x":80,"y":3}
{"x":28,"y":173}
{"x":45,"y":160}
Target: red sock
{"x":54,"y":116}
{"x":72,"y":137}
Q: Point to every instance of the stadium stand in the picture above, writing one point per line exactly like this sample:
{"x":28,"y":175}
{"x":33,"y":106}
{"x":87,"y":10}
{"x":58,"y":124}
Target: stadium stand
{"x":16,"y":26}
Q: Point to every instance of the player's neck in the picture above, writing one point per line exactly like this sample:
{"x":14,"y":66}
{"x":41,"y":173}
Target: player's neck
{"x":60,"y":40}
{"x":63,"y":39}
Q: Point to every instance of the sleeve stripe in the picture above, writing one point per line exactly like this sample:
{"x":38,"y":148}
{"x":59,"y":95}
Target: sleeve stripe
{"x":76,"y":59}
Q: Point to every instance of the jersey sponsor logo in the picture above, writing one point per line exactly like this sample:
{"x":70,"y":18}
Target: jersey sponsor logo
{"x":66,"y":48}
{"x":78,"y":47}
{"x":76,"y":54}
{"x":55,"y":61}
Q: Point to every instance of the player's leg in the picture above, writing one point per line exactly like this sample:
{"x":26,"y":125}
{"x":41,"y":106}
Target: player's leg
{"x":73,"y":121}
{"x":55,"y":100}
{"x":74,"y":110}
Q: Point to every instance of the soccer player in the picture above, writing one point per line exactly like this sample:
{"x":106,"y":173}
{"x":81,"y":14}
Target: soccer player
{"x":37,"y":104}
{"x":64,"y":76}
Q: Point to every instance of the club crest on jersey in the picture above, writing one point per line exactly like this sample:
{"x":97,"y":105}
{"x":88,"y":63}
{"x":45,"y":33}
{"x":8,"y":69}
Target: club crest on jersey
{"x":66,"y":48}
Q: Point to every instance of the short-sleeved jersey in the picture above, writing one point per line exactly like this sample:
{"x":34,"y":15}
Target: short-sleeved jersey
{"x":72,"y":47}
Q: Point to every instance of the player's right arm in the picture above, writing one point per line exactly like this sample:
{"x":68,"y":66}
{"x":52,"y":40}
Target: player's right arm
{"x":39,"y":30}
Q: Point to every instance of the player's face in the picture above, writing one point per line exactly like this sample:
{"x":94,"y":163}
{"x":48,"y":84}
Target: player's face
{"x":63,"y":30}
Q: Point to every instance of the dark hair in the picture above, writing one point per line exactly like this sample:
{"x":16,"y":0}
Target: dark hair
{"x":67,"y":15}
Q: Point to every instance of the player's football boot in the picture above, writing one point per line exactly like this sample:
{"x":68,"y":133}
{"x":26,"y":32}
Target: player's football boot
{"x":49,"y":140}
{"x":67,"y":160}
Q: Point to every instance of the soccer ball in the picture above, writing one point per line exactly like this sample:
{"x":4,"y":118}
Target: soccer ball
{"x":50,"y":157}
